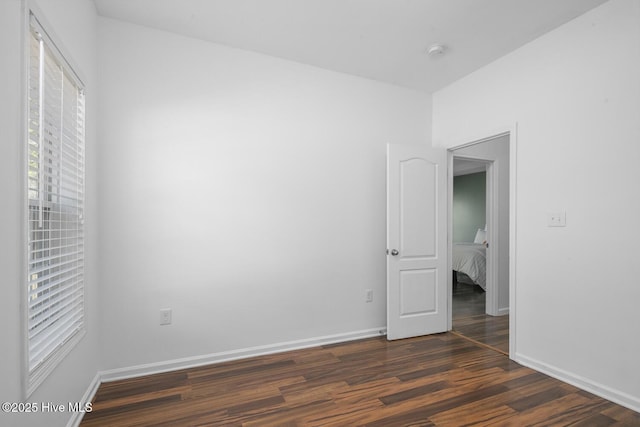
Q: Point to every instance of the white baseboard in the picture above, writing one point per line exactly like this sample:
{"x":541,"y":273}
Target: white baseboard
{"x":225,"y":356}
{"x":586,"y":384}
{"x":76,"y":417}
{"x":503,"y":311}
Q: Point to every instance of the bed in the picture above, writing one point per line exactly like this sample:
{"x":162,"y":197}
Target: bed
{"x":471,"y":259}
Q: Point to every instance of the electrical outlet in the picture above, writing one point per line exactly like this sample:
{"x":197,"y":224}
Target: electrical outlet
{"x":369,"y":295}
{"x":165,"y":316}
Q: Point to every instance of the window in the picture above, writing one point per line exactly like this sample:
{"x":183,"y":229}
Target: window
{"x":55,"y":198}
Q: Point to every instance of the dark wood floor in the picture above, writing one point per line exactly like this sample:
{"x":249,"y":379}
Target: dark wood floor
{"x":468,"y":300}
{"x":470,"y":320}
{"x":436,"y":380}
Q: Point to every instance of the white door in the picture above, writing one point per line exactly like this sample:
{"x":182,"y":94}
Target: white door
{"x":416,"y":241}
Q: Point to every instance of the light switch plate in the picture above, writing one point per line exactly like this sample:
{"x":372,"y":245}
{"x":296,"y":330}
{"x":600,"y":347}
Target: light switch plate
{"x":165,"y":316}
{"x":368,"y":295}
{"x":557,"y":219}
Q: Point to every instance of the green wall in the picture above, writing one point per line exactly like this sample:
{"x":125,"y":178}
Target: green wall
{"x":469,"y":205}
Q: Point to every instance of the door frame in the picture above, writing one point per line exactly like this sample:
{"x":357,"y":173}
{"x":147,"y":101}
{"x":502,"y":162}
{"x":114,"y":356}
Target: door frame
{"x":511,"y":131}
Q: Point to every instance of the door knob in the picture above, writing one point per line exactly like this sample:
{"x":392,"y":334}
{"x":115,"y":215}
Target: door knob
{"x":394,"y":252}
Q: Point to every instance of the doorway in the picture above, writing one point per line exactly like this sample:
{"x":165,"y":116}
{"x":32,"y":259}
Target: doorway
{"x":479,"y":227}
{"x":469,"y":218}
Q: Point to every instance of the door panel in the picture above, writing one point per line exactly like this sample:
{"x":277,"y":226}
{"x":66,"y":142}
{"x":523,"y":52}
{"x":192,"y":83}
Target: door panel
{"x":416,"y":241}
{"x":417,"y":292}
{"x":418,"y":208}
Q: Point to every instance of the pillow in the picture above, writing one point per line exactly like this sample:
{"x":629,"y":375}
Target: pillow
{"x":481,"y":236}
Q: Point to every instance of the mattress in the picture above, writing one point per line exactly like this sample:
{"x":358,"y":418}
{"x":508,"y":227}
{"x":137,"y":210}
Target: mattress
{"x":471,"y":259}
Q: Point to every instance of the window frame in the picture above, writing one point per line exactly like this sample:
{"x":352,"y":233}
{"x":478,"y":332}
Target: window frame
{"x":32,"y":17}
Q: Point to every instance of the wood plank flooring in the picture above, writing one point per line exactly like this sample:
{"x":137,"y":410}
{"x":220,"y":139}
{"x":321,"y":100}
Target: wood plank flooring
{"x":437,"y":380}
{"x":492,"y":331}
{"x":468,"y":300}
{"x":470,"y":320}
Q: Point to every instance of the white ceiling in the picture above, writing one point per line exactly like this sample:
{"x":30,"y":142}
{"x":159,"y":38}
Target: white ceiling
{"x":383,"y":40}
{"x":466,"y":167}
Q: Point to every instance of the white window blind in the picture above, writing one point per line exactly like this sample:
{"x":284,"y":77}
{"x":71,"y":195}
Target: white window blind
{"x":55,"y":187}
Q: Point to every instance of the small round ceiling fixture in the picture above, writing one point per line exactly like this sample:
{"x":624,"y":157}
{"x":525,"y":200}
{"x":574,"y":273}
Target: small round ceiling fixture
{"x":435,"y":50}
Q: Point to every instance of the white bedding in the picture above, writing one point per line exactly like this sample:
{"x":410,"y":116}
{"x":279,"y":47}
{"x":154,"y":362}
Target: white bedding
{"x":471,"y":259}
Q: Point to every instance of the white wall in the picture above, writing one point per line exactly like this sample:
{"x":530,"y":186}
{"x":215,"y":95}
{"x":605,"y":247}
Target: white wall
{"x":245,"y":192}
{"x":74,"y":24}
{"x":11,"y":213}
{"x":469,"y":208}
{"x":575,"y":95}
